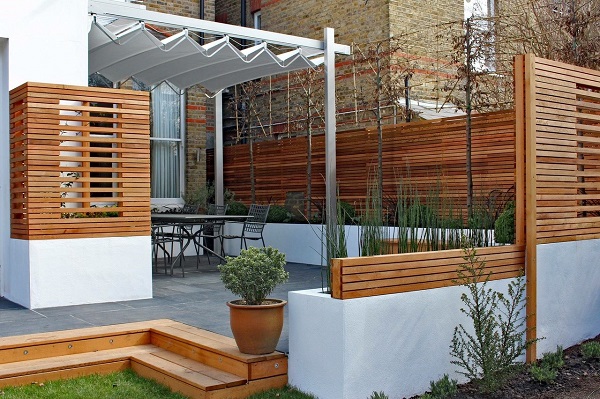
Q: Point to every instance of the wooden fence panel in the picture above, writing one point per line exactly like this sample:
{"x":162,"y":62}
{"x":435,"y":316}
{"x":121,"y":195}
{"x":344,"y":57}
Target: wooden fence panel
{"x":391,"y":274}
{"x":430,"y":152}
{"x":78,"y":155}
{"x":567,"y":142}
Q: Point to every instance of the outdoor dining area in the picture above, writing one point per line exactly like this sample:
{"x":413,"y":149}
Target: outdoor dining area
{"x":173,"y":233}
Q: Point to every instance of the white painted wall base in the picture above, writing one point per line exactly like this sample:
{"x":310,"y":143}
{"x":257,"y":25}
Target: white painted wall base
{"x":346,"y":349}
{"x":49,"y":273}
{"x":568,"y":293}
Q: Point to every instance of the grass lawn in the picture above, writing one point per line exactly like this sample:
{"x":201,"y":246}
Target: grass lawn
{"x":120,"y":385}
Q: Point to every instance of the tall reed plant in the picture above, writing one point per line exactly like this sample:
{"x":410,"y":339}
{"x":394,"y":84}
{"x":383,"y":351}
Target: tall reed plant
{"x":375,"y":236}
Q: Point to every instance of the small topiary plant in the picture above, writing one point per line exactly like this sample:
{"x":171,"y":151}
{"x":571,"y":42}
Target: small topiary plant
{"x":278,"y":214}
{"x":591,"y":350}
{"x":254,"y":273}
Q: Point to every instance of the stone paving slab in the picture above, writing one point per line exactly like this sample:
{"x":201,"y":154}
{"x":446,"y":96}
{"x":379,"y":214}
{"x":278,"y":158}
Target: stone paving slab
{"x":199,"y":300}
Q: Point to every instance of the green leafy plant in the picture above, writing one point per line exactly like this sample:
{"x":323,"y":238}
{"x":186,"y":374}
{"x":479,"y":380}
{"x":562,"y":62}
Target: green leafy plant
{"x":254,"y":273}
{"x":543,"y":374}
{"x":378,"y":395}
{"x":278,"y":214}
{"x":547,"y":368}
{"x":237,"y":208}
{"x":488,"y":355}
{"x":347,"y":211}
{"x":504,"y":227}
{"x":442,"y":388}
{"x":591,"y":350}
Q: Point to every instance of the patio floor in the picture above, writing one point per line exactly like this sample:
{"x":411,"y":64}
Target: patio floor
{"x":198,"y":300}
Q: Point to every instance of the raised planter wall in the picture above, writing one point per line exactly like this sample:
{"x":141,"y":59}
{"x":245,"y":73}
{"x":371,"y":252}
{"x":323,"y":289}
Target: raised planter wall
{"x":346,"y":349}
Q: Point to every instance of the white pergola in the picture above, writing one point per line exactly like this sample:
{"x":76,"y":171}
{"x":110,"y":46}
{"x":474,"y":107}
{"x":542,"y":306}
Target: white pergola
{"x":121,"y":46}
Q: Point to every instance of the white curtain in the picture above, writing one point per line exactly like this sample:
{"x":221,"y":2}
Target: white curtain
{"x":166,"y":143}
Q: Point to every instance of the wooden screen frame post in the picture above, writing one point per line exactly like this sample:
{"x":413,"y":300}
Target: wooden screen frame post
{"x":529,"y":104}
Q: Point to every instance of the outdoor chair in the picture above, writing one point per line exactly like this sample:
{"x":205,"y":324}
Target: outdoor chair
{"x":160,"y":241}
{"x":253,"y":227}
{"x":177,"y":234}
{"x":212,"y":231}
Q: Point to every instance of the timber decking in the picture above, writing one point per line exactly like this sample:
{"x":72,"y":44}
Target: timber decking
{"x":195,"y":362}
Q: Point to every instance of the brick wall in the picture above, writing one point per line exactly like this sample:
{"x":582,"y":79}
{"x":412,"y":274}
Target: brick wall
{"x":198,"y":107}
{"x":358,"y":23}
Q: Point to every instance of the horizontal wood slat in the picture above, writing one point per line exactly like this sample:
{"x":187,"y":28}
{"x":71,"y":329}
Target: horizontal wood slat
{"x":80,"y":162}
{"x":428,"y":151}
{"x":390,"y":274}
{"x":567,"y":141}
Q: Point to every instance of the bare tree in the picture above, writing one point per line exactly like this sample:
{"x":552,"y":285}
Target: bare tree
{"x":387,"y":67}
{"x":310,"y":110}
{"x":561,"y":30}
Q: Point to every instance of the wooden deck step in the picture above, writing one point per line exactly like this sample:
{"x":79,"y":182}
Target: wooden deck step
{"x":185,"y":370}
{"x":68,"y":366}
{"x":195,"y":362}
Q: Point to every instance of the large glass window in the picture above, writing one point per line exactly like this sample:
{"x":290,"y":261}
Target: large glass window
{"x":166,"y":143}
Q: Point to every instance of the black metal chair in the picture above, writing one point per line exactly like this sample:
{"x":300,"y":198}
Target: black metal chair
{"x":212,"y":231}
{"x":253,"y":227}
{"x":160,"y":241}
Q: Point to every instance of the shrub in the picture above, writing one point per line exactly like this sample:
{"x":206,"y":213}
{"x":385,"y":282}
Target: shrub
{"x":591,"y":350}
{"x":254,"y":273}
{"x":488,"y":356}
{"x":504,"y":228}
{"x":442,"y":388}
{"x":547,"y":368}
{"x":542,"y":373}
{"x":278,"y":214}
{"x":378,"y":395}
{"x":237,"y":208}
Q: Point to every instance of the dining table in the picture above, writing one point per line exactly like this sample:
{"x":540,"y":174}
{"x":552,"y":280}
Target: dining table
{"x":190,"y":226}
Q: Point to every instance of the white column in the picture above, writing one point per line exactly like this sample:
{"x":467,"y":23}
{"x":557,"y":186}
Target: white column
{"x":219,"y":189}
{"x":4,"y":163}
{"x":330,"y":151}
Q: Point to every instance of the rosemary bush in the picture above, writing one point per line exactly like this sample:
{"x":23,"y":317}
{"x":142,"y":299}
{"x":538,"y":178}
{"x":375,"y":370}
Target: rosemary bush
{"x":591,"y":350}
{"x":489,"y":354}
{"x":254,"y":273}
{"x":442,"y":388}
{"x":547,"y":368}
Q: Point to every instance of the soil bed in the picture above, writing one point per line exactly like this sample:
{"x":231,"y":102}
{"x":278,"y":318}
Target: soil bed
{"x":579,"y":378}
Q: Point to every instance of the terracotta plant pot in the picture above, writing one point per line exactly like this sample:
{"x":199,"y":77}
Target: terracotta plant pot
{"x":256,"y":328}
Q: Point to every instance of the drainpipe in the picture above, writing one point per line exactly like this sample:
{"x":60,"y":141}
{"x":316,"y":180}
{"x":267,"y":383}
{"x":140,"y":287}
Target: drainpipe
{"x":407,"y":97}
{"x":201,"y":17}
{"x":243,"y":18}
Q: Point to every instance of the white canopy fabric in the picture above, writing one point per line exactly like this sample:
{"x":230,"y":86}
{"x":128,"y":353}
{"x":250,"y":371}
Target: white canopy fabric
{"x":120,"y":49}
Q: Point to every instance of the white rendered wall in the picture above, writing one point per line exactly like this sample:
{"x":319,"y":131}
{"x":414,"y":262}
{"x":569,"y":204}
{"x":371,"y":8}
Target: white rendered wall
{"x":48,"y":41}
{"x":301,"y":243}
{"x":346,"y":349}
{"x":568,"y":293}
{"x":89,"y":270}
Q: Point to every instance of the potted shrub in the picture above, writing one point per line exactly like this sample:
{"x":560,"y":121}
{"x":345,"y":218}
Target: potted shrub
{"x":256,"y":321}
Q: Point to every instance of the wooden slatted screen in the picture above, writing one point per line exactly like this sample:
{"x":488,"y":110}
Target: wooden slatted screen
{"x":80,"y":162}
{"x":566,"y":135}
{"x":391,"y":274}
{"x":428,"y":151}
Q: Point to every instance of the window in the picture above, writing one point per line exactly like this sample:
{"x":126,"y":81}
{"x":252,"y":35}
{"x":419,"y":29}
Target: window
{"x":166,"y":143}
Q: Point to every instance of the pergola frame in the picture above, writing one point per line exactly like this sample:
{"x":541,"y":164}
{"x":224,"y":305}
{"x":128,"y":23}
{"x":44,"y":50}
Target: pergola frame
{"x":328,"y":47}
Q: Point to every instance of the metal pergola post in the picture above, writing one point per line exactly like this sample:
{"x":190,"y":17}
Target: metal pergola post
{"x":218,"y":161}
{"x":330,"y":151}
